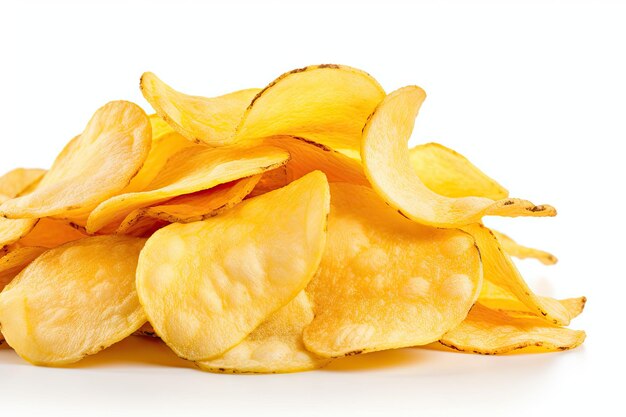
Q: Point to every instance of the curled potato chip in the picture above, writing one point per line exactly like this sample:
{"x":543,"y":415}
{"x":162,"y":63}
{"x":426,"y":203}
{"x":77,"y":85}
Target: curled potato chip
{"x":273,"y":347}
{"x":327,"y":104}
{"x":500,"y":271}
{"x":450,"y":174}
{"x":386,"y":282}
{"x":17,"y":259}
{"x":387,"y":164}
{"x":522,"y":252}
{"x":199,"y":119}
{"x":206,"y":285}
{"x":12,"y":230}
{"x":50,"y":233}
{"x":16,"y":181}
{"x":190,"y":170}
{"x":160,"y":127}
{"x":194,"y":207}
{"x":93,"y":166}
{"x":73,"y":301}
{"x":490,"y":332}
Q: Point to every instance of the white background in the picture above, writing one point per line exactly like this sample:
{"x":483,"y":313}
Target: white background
{"x":534,"y":93}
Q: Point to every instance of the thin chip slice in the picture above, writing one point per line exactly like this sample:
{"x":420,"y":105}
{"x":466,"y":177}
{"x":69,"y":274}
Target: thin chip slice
{"x":490,"y":332}
{"x":73,"y":301}
{"x":17,"y":259}
{"x":207,"y":285}
{"x":450,"y":174}
{"x":194,"y":207}
{"x":274,"y":347}
{"x":12,"y":230}
{"x":199,"y":119}
{"x":16,"y":181}
{"x":160,"y":127}
{"x":190,"y":170}
{"x":386,"y":282}
{"x":387,"y":164}
{"x":327,"y":104}
{"x":271,"y":180}
{"x":50,"y":233}
{"x":500,"y":271}
{"x":93,"y":166}
{"x":522,"y":252}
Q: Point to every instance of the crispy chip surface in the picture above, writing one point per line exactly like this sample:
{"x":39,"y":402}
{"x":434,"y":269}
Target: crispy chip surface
{"x":199,"y":119}
{"x":387,"y":164}
{"x":273,"y":347}
{"x":207,"y":285}
{"x":93,"y":166}
{"x":387,"y":282}
{"x":513,"y":248}
{"x":190,"y":170}
{"x":73,"y":301}
{"x":16,"y":181}
{"x":50,"y":233}
{"x":490,"y":332}
{"x":327,"y":104}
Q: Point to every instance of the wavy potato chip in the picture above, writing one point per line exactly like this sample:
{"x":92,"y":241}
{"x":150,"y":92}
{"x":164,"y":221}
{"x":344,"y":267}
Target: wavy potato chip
{"x":73,"y":301}
{"x":327,"y":104}
{"x":490,"y":332}
{"x":50,"y":233}
{"x":450,"y":174}
{"x":193,"y":169}
{"x":386,"y":282}
{"x":202,"y":120}
{"x":205,"y":286}
{"x":93,"y":166}
{"x":273,"y":347}
{"x":516,"y":250}
{"x":192,"y":207}
{"x":387,"y":165}
{"x":16,"y":181}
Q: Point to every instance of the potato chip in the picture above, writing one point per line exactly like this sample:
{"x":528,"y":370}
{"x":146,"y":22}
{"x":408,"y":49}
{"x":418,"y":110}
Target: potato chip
{"x":387,"y":282}
{"x":73,"y":301}
{"x":15,"y":182}
{"x":50,"y":233}
{"x":450,"y":174}
{"x":490,"y":332}
{"x":199,"y":119}
{"x":516,"y":250}
{"x":159,"y":127}
{"x":207,"y":285}
{"x":271,"y":180}
{"x":500,"y":271}
{"x":12,"y":230}
{"x":17,"y":259}
{"x":327,"y":104}
{"x":387,"y":164}
{"x":274,"y":347}
{"x":194,"y":207}
{"x":92,"y":167}
{"x":192,"y":169}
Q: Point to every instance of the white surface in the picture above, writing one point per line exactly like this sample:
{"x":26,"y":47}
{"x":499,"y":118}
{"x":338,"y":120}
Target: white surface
{"x":533,"y":93}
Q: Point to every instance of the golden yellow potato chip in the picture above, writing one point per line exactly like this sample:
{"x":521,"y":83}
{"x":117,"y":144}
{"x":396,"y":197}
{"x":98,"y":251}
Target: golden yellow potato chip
{"x":450,"y":174}
{"x":160,"y":127}
{"x":73,"y":301}
{"x":387,"y":282}
{"x":17,"y":259}
{"x":199,"y":119}
{"x":490,"y":332}
{"x":16,"y":181}
{"x":12,"y":230}
{"x":387,"y":164}
{"x":193,"y":207}
{"x":193,"y":169}
{"x":501,"y":272}
{"x":327,"y":104}
{"x":273,"y":347}
{"x":207,"y":285}
{"x":93,"y":167}
{"x":271,"y":180}
{"x":50,"y":233}
{"x":516,"y":250}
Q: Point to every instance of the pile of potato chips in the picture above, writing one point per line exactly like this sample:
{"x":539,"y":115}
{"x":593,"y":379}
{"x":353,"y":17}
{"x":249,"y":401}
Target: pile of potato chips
{"x":266,"y":231}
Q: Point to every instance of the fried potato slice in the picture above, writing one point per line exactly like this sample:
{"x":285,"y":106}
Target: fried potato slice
{"x":327,"y":104}
{"x":73,"y":301}
{"x":500,"y":271}
{"x":513,"y":248}
{"x":190,"y":170}
{"x":16,"y":181}
{"x":50,"y":233}
{"x":160,"y":127}
{"x":271,"y":180}
{"x":387,"y":164}
{"x":205,"y":286}
{"x":490,"y":332}
{"x":199,"y":119}
{"x":17,"y":259}
{"x":93,"y":166}
{"x":387,"y":282}
{"x":450,"y":174}
{"x":12,"y":230}
{"x":194,"y":207}
{"x":274,"y":347}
